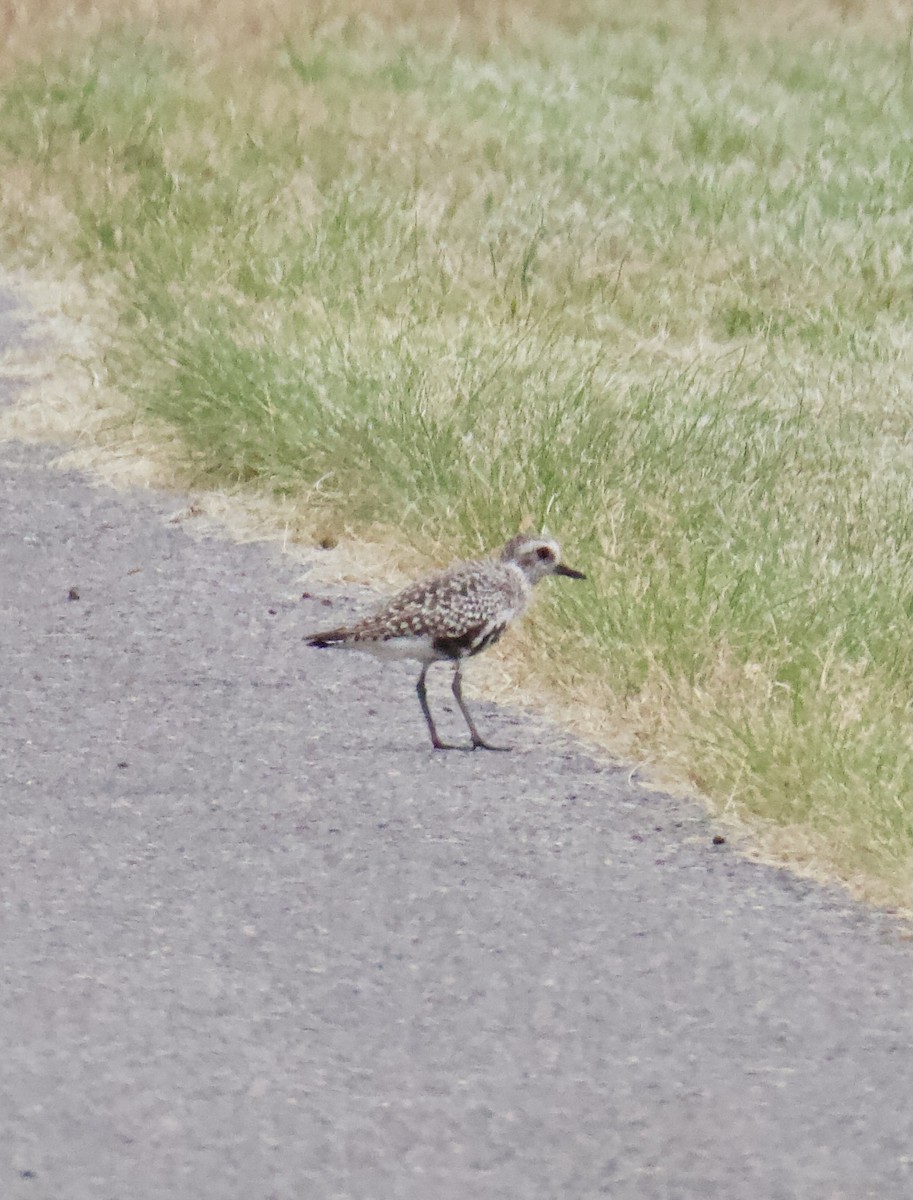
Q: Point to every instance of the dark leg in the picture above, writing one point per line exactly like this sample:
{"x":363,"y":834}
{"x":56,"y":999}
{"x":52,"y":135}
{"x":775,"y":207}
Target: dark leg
{"x":478,"y":742}
{"x":426,"y":712}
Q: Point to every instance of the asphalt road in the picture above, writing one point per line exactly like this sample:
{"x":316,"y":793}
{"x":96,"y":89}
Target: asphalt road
{"x":259,"y":942}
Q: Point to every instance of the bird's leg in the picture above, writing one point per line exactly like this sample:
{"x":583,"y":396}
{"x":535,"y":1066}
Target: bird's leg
{"x":478,"y":742}
{"x":426,"y":712}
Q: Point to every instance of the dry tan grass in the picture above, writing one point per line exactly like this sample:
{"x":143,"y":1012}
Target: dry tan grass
{"x":243,"y":31}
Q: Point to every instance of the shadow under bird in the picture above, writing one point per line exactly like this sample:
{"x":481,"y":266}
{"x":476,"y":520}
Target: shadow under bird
{"x":453,"y":615}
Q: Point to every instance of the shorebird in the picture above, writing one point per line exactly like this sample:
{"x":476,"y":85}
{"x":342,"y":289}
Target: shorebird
{"x":453,"y":615}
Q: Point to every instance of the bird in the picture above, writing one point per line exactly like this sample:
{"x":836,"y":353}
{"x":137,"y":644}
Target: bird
{"x":452,"y":615}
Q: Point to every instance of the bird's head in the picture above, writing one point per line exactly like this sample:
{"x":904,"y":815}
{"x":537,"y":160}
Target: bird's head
{"x":537,"y":556}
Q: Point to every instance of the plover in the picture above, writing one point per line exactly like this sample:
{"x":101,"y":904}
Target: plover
{"x":453,"y":615}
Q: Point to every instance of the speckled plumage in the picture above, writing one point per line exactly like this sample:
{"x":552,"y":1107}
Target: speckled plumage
{"x":453,"y":614}
{"x":457,"y":608}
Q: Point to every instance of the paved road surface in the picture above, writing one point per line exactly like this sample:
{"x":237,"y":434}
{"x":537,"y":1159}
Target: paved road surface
{"x":259,"y":942}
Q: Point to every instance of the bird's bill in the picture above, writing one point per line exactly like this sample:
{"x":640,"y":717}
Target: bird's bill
{"x":561,"y":569}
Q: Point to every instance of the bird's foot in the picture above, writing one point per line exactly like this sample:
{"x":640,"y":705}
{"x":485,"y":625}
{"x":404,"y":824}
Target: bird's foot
{"x":480,"y":744}
{"x":439,"y":745}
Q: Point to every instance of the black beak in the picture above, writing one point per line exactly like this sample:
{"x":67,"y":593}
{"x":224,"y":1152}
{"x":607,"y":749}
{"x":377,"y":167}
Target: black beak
{"x":561,"y":569}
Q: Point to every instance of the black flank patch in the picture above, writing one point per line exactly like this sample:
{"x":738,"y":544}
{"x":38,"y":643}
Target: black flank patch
{"x":473,"y":641}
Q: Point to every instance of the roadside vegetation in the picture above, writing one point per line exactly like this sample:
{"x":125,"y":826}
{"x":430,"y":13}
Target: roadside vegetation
{"x":425,"y":271}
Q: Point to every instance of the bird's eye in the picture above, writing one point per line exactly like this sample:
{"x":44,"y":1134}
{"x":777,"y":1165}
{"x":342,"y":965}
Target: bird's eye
{"x":544,"y":553}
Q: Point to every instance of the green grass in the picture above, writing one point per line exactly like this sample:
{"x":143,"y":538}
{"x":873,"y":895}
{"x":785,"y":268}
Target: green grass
{"x":643,"y":279}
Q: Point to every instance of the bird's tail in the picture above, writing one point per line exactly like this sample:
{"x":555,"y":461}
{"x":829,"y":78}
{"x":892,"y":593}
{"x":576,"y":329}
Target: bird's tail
{"x":331,"y":637}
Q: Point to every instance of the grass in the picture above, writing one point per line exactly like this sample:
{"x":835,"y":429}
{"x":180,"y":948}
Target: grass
{"x":641,"y":277}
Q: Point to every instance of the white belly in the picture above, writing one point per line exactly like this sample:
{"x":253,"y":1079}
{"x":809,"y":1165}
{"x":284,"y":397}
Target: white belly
{"x":419,"y":648}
